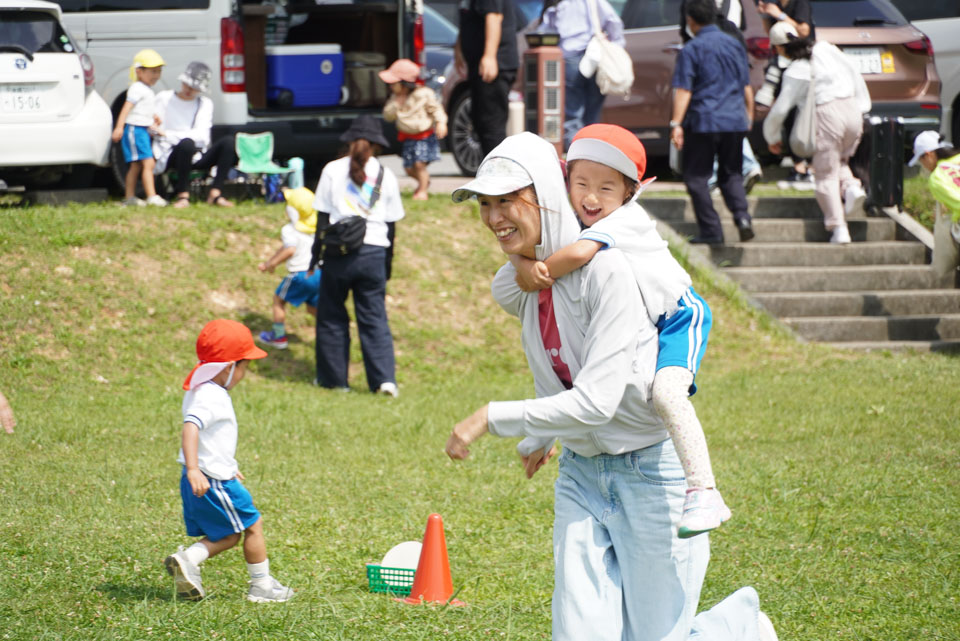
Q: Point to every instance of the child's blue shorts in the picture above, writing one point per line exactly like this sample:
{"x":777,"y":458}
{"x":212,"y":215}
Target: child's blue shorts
{"x":683,"y":336}
{"x":426,"y":150}
{"x":226,"y":508}
{"x":136,"y":143}
{"x":298,"y":288}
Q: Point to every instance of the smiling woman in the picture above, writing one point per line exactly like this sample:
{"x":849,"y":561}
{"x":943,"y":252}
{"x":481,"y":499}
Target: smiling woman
{"x":620,"y":570}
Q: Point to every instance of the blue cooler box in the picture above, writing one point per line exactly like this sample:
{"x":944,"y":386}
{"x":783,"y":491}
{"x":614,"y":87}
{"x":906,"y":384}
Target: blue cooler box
{"x":304,"y":75}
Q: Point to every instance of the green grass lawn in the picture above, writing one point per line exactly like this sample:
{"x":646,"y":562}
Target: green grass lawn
{"x":841,"y":468}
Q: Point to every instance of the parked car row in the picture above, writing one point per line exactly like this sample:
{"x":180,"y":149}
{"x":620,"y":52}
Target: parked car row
{"x":895,"y":57}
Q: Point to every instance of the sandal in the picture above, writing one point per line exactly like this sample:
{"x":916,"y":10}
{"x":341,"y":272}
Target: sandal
{"x":220,"y":201}
{"x":182,"y":202}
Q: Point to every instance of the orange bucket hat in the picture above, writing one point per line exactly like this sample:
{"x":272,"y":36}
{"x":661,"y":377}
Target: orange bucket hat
{"x":220,"y":343}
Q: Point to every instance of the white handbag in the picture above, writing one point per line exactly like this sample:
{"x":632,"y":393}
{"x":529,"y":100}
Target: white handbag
{"x":803,"y":136}
{"x":609,"y":61}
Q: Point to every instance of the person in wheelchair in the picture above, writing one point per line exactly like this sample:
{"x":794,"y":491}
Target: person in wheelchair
{"x":183,"y":145}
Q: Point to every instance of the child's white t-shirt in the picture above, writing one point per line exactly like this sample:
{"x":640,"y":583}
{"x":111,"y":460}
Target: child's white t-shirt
{"x":302,"y":243}
{"x":142,"y":112}
{"x":661,"y":279}
{"x":209,"y":407}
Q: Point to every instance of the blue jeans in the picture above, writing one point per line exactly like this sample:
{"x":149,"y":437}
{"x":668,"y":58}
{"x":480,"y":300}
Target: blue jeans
{"x":364,"y":273}
{"x":582,"y":101}
{"x":749,"y":163}
{"x":621,"y":573}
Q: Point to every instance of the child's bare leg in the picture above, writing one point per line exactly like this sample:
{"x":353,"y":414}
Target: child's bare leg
{"x":130,"y":182}
{"x":216,"y":547}
{"x":279,"y":310}
{"x":423,"y":180}
{"x":411,"y":171}
{"x":254,"y":544}
{"x":149,"y":188}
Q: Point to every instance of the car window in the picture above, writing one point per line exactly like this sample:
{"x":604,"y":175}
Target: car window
{"x":928,"y":9}
{"x":32,"y":31}
{"x":70,"y":6}
{"x":437,"y":30}
{"x":859,"y":13}
{"x":639,"y":14}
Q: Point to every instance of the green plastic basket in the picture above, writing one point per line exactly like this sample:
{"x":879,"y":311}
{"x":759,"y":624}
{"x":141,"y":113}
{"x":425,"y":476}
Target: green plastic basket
{"x":397,"y":581}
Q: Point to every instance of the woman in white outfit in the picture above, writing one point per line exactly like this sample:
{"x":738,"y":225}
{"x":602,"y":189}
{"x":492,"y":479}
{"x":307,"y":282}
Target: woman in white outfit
{"x":621,"y":573}
{"x":842,"y":99}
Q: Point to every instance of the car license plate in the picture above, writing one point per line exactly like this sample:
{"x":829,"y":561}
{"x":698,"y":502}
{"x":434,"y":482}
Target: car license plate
{"x":20,"y":99}
{"x":870,"y":59}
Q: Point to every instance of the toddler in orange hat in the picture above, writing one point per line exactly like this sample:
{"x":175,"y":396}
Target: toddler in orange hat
{"x":605,"y":167}
{"x":216,"y":505}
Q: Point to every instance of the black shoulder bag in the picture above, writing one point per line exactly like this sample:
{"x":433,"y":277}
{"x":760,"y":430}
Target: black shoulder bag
{"x":344,"y":236}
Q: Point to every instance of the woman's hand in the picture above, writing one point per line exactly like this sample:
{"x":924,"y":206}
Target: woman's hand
{"x":536,"y":460}
{"x":776,"y":148}
{"x":676,"y":137}
{"x":466,"y":432}
{"x":769,"y":8}
{"x":198,"y":482}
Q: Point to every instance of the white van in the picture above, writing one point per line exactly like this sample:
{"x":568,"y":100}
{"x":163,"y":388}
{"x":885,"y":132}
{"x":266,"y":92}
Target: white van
{"x":233,"y":38}
{"x":940,"y":21}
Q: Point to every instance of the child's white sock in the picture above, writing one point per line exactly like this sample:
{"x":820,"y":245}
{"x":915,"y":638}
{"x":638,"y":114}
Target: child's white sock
{"x":197,"y":553}
{"x":260,"y":573}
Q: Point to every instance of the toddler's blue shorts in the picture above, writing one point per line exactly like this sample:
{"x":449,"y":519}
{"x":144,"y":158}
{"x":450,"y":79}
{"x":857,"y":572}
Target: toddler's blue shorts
{"x":426,"y":151}
{"x":683,"y":336}
{"x":226,"y":508}
{"x":298,"y":288}
{"x":136,"y":143}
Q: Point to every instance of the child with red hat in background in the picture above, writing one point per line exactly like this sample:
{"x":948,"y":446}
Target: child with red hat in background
{"x":420,"y":118}
{"x":216,"y":505}
{"x":605,"y":165}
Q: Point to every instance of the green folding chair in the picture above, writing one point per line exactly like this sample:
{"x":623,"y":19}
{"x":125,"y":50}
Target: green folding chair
{"x":255,"y":155}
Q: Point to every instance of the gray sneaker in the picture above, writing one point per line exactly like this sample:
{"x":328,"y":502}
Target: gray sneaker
{"x":275,"y":593}
{"x":186,"y":576}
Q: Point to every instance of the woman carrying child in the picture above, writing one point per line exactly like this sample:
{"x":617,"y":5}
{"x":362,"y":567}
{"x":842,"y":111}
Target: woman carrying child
{"x":620,"y":570}
{"x":420,"y":119}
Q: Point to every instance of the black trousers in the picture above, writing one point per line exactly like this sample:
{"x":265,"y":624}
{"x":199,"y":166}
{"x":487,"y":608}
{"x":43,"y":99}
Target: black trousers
{"x":220,"y":154}
{"x":489,"y":107}
{"x":699,"y":150}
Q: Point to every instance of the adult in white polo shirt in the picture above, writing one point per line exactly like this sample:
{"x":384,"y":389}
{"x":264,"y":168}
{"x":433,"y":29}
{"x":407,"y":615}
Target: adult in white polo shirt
{"x":183,"y":141}
{"x":621,"y":572}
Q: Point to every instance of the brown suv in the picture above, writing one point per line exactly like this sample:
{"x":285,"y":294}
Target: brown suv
{"x":896,"y":60}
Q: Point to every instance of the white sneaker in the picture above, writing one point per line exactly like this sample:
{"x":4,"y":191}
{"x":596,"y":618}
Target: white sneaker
{"x":389,"y":389}
{"x":853,"y":199}
{"x":157,"y":200}
{"x":703,"y":510}
{"x":765,"y":628}
{"x":841,"y":235}
{"x":133,"y":202}
{"x":275,"y":593}
{"x":186,"y":576}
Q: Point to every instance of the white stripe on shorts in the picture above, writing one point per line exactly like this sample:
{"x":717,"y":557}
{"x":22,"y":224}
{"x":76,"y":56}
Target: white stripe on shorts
{"x":132,"y":142}
{"x":694,"y":331}
{"x":217,"y":487}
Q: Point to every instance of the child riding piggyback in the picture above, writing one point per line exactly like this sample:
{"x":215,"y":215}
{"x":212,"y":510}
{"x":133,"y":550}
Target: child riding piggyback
{"x":605,"y":164}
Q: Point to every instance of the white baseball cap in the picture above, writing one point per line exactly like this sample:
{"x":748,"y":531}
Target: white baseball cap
{"x":780,"y":33}
{"x":924,"y":142}
{"x":495,"y":177}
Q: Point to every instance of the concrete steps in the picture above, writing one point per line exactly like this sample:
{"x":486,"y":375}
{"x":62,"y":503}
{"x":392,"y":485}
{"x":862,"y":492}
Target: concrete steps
{"x":876,"y":293}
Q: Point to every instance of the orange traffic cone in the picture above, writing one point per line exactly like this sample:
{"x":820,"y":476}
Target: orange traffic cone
{"x":432,"y":582}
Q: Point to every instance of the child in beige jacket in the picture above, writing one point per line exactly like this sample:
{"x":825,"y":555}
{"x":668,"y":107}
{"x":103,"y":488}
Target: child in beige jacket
{"x":420,"y":120}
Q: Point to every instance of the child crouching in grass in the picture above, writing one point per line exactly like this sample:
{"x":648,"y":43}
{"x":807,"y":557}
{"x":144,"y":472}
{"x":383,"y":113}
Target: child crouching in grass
{"x":216,"y":505}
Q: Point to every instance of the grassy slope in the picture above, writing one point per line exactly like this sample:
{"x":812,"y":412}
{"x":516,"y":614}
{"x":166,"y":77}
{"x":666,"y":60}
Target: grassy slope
{"x":841,"y":468}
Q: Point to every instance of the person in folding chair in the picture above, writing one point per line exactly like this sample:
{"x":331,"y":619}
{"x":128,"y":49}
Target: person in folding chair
{"x":358,"y":202}
{"x":182,"y":144}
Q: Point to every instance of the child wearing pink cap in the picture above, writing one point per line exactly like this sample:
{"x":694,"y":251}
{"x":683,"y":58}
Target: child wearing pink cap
{"x":216,"y":505}
{"x":605,"y":166}
{"x":420,"y":119}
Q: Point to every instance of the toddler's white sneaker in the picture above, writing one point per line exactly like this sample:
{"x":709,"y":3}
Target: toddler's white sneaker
{"x":157,"y":200}
{"x":186,"y":576}
{"x":271,"y":592}
{"x":703,"y":510}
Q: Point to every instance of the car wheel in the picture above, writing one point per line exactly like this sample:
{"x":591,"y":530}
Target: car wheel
{"x":463,"y":141}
